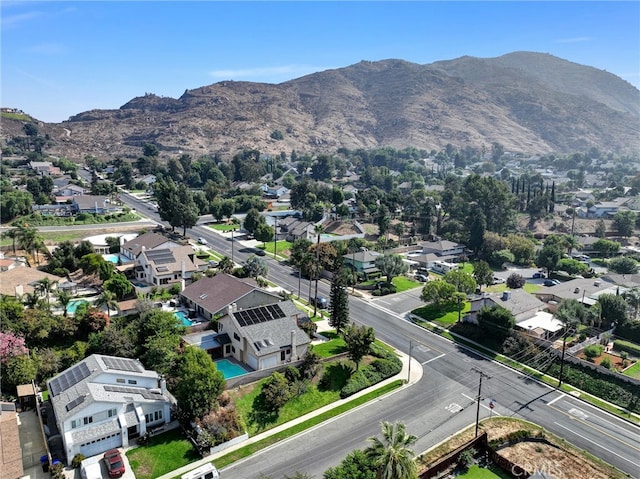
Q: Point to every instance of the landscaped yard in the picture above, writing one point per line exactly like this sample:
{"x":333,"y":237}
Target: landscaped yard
{"x":442,"y":315}
{"x":335,"y":345}
{"x":403,"y":284}
{"x":164,"y":453}
{"x":223,"y":226}
{"x":477,"y":472}
{"x":282,"y":247}
{"x":633,"y":371}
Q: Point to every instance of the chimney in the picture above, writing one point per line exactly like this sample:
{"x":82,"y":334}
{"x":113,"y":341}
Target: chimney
{"x":230,"y":309}
{"x":163,"y":386}
{"x":293,"y":344}
{"x":506,"y":295}
{"x":234,"y":306}
{"x":183,"y":270}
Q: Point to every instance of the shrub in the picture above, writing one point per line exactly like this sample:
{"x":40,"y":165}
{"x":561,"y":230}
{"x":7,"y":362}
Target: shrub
{"x":77,"y":459}
{"x":386,"y":367}
{"x":628,"y":347}
{"x":515,"y":281}
{"x":465,"y":458}
{"x":606,"y":363}
{"x":593,"y":351}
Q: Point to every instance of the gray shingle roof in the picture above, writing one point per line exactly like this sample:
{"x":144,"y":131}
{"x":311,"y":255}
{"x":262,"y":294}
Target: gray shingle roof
{"x":215,"y":294}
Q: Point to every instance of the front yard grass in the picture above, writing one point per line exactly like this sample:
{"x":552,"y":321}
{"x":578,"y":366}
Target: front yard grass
{"x":223,"y":227}
{"x":403,"y":284}
{"x":633,"y":371}
{"x":477,"y":472}
{"x":444,"y":316}
{"x":282,"y":247}
{"x":335,"y":345}
{"x":164,"y":453}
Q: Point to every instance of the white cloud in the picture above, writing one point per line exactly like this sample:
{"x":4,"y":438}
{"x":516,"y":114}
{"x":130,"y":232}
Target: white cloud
{"x":283,"y":72}
{"x":574,"y":40}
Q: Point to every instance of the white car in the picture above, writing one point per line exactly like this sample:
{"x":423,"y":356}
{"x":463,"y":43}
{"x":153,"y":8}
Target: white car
{"x":202,"y":240}
{"x":497,"y":280}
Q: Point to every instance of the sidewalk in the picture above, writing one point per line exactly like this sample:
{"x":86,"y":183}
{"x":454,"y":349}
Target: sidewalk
{"x":414,"y":372}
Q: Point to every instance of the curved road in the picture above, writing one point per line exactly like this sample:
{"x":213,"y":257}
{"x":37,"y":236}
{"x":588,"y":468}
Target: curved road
{"x":440,"y":404}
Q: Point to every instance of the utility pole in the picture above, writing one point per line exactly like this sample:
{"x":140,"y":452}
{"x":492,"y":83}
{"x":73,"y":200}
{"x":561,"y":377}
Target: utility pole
{"x":232,"y":230}
{"x":409,"y":371}
{"x":564,"y":345}
{"x":482,"y":375}
{"x":275,"y":237}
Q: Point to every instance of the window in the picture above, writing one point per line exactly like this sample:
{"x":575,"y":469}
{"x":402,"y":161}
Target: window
{"x":158,"y":415}
{"x":282,"y":356}
{"x":120,"y":380}
{"x":132,"y":381}
{"x":88,"y":420}
{"x":75,"y":423}
{"x":236,"y":337}
{"x":112,"y":412}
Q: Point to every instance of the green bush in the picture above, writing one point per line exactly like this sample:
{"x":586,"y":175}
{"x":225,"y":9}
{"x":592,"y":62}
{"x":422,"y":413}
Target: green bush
{"x":593,"y":351}
{"x":77,"y":459}
{"x":386,"y":367}
{"x":629,"y":347}
{"x":606,"y":363}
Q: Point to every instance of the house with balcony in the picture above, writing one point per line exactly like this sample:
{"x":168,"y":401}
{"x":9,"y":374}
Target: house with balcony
{"x":147,"y":241}
{"x":167,"y":266}
{"x":265,"y":337}
{"x":104,"y":402}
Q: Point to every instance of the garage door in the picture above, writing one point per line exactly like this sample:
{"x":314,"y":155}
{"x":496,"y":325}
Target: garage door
{"x":100,"y":445}
{"x":252,"y":361}
{"x":270,"y":362}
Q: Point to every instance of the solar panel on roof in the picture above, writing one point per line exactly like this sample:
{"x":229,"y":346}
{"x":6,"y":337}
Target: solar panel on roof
{"x":72,"y":404}
{"x":145,"y":393}
{"x":123,"y":364}
{"x":69,"y":378}
{"x":249,"y":317}
{"x":161,"y":256}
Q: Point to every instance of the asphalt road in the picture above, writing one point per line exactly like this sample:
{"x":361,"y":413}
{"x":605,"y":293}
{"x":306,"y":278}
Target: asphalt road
{"x":441,"y":403}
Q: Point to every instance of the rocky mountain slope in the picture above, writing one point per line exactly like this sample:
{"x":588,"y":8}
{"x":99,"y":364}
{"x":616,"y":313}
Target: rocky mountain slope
{"x":528,"y":102}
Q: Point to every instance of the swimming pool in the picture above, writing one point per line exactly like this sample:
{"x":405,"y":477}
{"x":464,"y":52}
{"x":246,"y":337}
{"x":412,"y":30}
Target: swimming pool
{"x":115,"y":258}
{"x":229,"y":369}
{"x":182,"y":316}
{"x":73,"y":305}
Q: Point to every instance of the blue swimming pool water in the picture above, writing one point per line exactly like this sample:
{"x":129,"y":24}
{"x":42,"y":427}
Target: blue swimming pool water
{"x":113,"y":258}
{"x":229,"y":369}
{"x":73,"y":305}
{"x":181,"y":315}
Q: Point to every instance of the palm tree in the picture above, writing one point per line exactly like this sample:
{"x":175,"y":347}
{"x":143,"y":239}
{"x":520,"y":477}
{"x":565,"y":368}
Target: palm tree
{"x":13,"y":234}
{"x":318,"y":229}
{"x":108,"y":299}
{"x":44,"y":286}
{"x":30,"y":300}
{"x":632,"y":297}
{"x":571,"y":242}
{"x":392,"y":455}
{"x":64,"y":299}
{"x":29,"y":239}
{"x":226,"y":265}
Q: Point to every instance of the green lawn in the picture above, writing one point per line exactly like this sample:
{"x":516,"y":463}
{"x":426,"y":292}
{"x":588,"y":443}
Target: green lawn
{"x":259,"y":418}
{"x":442,"y":315}
{"x":335,"y":345}
{"x":164,"y":453}
{"x":282,"y":247}
{"x":532,"y":288}
{"x":476,"y":472}
{"x":633,"y":371}
{"x":64,"y":221}
{"x":223,"y":227}
{"x":403,"y":284}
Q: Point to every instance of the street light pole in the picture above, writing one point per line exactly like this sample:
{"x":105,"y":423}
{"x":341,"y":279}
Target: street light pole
{"x":409,"y":370}
{"x":232,"y":230}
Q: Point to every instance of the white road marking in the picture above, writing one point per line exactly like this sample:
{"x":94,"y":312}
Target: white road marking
{"x":599,"y":445}
{"x":433,"y":359}
{"x":454,"y":408}
{"x":578,"y":413}
{"x":556,"y":399}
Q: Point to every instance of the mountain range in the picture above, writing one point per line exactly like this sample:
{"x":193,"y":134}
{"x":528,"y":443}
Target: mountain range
{"x":528,"y":102}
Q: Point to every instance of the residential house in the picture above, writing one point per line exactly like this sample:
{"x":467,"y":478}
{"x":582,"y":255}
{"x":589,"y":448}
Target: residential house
{"x":146,"y":241}
{"x":54,"y":210}
{"x":210,"y":297}
{"x":604,"y":209}
{"x":160,"y":267}
{"x":22,"y":279}
{"x":362,"y":262}
{"x":9,"y":263}
{"x":11,"y":466}
{"x":583,"y":290}
{"x":266,"y":336}
{"x":71,"y":190}
{"x":273,"y":191}
{"x":444,"y":249}
{"x":94,"y":204}
{"x":292,"y":228}
{"x":44,"y":168}
{"x":104,"y":402}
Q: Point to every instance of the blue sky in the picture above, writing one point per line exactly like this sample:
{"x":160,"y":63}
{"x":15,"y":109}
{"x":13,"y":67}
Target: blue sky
{"x":62,"y":58}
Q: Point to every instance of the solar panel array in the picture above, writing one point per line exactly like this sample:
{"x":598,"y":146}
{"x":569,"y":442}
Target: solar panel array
{"x":259,"y":315}
{"x":161,"y":256}
{"x":72,"y":404}
{"x":69,"y":378}
{"x":123,"y":364}
{"x":145,"y":393}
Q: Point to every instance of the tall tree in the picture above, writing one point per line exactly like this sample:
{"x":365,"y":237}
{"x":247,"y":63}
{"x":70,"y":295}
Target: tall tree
{"x":339,"y":302}
{"x":199,"y":382}
{"x":264,"y":233}
{"x":632,"y":297}
{"x":391,"y":265}
{"x":624,"y":222}
{"x":255,"y":267}
{"x":107,"y":298}
{"x":318,"y":230}
{"x":392,"y":455}
{"x":358,"y":340}
{"x":482,"y":273}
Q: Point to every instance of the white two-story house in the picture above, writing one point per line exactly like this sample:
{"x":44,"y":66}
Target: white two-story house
{"x":104,"y":402}
{"x":161,"y":267}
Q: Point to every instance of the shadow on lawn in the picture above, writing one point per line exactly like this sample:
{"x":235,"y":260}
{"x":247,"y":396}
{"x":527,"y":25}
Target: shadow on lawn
{"x":262,"y":413}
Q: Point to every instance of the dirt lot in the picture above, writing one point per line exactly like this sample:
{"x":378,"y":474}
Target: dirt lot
{"x":564,"y":461}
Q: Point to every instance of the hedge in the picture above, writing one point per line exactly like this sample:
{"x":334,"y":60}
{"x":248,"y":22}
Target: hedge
{"x":384,"y":366}
{"x":627,"y":346}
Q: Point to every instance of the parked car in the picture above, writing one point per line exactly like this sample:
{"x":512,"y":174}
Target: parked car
{"x":497,"y":280}
{"x":538,"y":274}
{"x":90,"y":470}
{"x":260,"y":252}
{"x":113,"y":461}
{"x":422,"y":278}
{"x":551,"y":282}
{"x":201,"y":240}
{"x":321,"y":302}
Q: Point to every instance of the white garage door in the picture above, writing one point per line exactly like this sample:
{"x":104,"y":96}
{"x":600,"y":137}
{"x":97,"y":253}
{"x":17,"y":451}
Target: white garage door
{"x":270,"y":362}
{"x":99,"y":446}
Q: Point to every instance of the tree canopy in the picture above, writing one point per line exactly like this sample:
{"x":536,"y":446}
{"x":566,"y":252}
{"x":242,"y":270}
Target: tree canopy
{"x":199,"y":382}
